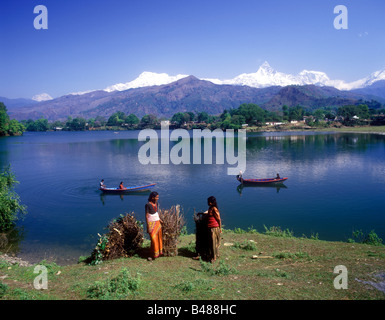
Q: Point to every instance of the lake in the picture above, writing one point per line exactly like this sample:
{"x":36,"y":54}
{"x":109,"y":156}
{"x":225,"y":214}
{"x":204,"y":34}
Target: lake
{"x":336,"y":185}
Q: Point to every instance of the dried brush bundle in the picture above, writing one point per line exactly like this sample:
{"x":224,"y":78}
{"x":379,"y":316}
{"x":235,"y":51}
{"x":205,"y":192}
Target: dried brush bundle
{"x":124,"y":238}
{"x":173,"y":222}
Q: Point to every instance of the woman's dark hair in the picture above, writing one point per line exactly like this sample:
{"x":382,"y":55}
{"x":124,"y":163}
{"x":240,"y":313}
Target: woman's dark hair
{"x":211,"y":201}
{"x":152,"y":196}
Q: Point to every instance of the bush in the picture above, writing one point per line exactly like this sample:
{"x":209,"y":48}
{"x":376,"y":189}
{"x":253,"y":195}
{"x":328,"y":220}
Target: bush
{"x":371,"y":238}
{"x":246,"y":245}
{"x":3,"y":289}
{"x":278,"y":232}
{"x":10,"y":206}
{"x":116,"y":288}
{"x":222,"y":270}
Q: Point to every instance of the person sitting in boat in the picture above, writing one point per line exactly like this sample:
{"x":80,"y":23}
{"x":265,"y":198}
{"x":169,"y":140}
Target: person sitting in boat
{"x":102,"y":184}
{"x":239,"y":176}
{"x":278,"y":177}
{"x":121,"y":186}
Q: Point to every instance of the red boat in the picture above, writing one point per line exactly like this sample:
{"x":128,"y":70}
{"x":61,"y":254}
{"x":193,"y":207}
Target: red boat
{"x":260,"y":181}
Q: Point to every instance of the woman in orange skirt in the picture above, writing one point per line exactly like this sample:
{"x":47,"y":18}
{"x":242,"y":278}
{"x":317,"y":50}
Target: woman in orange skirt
{"x":154,"y":225}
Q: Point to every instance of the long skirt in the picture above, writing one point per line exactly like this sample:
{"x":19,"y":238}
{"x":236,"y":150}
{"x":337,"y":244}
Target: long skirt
{"x":214,"y":242}
{"x":155,"y":233}
{"x":201,"y":238}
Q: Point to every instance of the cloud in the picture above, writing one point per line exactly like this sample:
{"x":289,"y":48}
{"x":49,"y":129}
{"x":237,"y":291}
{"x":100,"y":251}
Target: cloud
{"x":363,"y":34}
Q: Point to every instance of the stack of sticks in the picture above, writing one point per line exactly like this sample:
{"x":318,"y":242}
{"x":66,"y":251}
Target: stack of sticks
{"x":125,"y":237}
{"x":173,"y":222}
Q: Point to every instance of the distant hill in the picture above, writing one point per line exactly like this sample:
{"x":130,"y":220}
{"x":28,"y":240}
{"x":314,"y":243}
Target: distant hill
{"x":17,"y":103}
{"x":376,"y":89}
{"x":61,"y":108}
{"x":186,"y":94}
{"x":313,"y":97}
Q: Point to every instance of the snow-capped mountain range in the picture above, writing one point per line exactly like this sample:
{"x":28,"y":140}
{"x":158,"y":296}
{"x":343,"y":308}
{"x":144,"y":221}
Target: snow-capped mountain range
{"x":266,"y":76}
{"x":42,"y":97}
{"x":146,"y":79}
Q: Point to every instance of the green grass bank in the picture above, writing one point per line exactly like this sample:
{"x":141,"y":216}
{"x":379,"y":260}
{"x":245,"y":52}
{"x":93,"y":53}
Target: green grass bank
{"x":252,"y":266}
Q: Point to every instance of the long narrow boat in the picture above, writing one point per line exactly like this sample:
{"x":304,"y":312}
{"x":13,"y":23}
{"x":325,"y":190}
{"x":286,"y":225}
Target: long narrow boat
{"x":128,"y":190}
{"x":260,"y":181}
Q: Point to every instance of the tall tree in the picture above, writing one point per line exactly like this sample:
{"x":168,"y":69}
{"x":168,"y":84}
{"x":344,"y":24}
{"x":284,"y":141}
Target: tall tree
{"x":252,"y":113}
{"x":296,"y":113}
{"x":8,"y":126}
{"x":132,"y":119}
{"x":149,"y":120}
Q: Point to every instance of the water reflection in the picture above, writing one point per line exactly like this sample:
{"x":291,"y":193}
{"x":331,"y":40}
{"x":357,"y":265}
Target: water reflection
{"x":318,"y":142}
{"x":110,"y":196}
{"x":10,"y":241}
{"x":277,"y":186}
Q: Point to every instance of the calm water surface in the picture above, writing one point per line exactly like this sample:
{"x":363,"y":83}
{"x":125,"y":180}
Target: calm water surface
{"x":336,"y":185}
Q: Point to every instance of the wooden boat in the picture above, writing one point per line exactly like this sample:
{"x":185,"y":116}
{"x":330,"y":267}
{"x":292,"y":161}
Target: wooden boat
{"x":127,"y":190}
{"x":260,"y":181}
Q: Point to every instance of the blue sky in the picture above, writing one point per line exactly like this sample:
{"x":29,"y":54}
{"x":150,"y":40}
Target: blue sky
{"x":92,"y":44}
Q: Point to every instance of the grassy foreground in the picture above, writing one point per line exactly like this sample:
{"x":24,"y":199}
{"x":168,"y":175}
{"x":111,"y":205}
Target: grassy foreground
{"x":252,"y":266}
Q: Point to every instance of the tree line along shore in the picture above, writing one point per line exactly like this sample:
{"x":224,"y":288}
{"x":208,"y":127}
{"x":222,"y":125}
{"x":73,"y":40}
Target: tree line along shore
{"x":247,"y":116}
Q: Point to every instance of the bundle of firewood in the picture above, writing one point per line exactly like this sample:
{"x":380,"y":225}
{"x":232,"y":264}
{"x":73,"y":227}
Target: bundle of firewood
{"x":173,"y":222}
{"x":124,"y":238}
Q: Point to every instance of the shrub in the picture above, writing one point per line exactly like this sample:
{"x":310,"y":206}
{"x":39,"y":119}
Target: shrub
{"x":278,"y":232}
{"x":289,"y":255}
{"x":115,"y":288}
{"x":10,"y":207}
{"x":222,"y":270}
{"x":371,"y":238}
{"x":246,"y":245}
{"x":3,"y":289}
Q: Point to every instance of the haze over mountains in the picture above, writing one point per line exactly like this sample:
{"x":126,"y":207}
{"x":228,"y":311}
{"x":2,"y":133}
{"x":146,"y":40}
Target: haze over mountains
{"x":164,"y":95}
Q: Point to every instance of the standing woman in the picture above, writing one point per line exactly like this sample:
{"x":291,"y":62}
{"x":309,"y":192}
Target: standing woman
{"x":154,"y":227}
{"x":214,"y":228}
